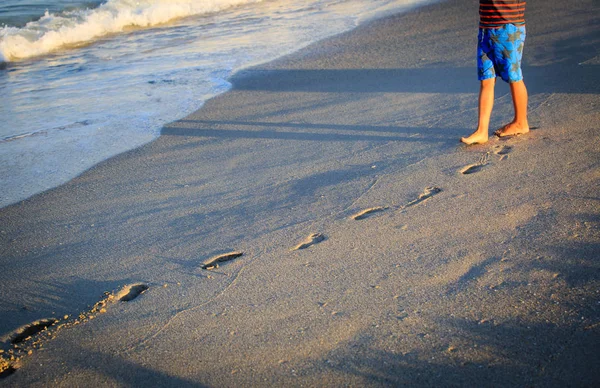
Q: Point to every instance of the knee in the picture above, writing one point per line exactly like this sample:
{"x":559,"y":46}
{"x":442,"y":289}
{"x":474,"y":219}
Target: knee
{"x":488,"y":83}
{"x":517,"y":85}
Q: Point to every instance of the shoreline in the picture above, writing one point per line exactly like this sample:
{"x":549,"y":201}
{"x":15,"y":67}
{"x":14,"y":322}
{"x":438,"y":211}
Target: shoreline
{"x":411,"y":272}
{"x":54,"y":163}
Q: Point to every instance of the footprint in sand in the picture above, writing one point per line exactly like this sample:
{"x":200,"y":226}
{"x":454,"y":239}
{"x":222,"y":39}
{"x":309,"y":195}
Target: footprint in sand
{"x":368,"y":212}
{"x":424,"y":196}
{"x":6,"y":369}
{"x":427,"y":193}
{"x":18,"y":338}
{"x":502,"y":150}
{"x":471,"y":169}
{"x":476,"y":167}
{"x":213,"y":262}
{"x":313,"y":239}
{"x":132,"y":291}
{"x":28,"y":331}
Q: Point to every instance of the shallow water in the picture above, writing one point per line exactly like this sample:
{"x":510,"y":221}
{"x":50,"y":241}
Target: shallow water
{"x":85,"y":81}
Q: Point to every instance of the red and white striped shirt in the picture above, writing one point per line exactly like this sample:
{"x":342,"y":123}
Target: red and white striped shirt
{"x":496,"y":13}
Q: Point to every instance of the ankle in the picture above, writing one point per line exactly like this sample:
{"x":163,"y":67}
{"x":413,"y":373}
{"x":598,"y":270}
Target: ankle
{"x":521,"y":123}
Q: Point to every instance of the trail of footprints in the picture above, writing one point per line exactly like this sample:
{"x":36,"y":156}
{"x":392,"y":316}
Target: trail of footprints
{"x":24,"y":340}
{"x":427,"y":193}
{"x":27,"y":338}
{"x":32,"y":336}
{"x":501,"y":150}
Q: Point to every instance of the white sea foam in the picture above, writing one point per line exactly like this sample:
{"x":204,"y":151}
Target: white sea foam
{"x":52,"y":32}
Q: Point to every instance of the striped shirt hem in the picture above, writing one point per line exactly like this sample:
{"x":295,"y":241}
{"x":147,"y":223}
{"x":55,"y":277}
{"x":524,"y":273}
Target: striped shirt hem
{"x":497,"y":13}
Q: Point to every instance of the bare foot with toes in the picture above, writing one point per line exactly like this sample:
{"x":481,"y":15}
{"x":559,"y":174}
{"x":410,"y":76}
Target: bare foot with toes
{"x":512,"y":129}
{"x":476,"y":138}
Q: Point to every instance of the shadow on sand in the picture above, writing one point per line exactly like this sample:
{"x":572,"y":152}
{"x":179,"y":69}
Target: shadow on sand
{"x":515,"y":355}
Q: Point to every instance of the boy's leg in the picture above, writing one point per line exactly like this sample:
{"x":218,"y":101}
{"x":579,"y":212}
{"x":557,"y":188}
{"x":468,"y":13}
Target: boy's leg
{"x":519,"y":125}
{"x":486,"y":103}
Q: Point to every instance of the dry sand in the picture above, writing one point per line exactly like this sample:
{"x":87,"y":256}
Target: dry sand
{"x":478,"y":267}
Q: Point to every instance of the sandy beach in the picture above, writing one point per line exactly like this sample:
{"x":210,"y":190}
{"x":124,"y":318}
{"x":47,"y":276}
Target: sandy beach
{"x":321,"y":225}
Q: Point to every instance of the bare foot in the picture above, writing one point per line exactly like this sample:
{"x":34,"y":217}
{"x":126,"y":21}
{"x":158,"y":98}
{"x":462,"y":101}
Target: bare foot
{"x":476,"y":138}
{"x":512,"y":129}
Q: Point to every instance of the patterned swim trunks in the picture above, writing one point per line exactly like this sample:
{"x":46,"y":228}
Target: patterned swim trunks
{"x":499,"y":52}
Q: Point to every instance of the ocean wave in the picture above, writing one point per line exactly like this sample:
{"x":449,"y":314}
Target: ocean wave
{"x":54,"y":31}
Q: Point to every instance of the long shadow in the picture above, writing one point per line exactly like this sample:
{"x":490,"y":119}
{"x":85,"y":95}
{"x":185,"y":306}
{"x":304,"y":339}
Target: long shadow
{"x":472,"y":274}
{"x":522,"y":350}
{"x":302,"y":126}
{"x":584,"y":254}
{"x":449,"y":80}
{"x":514,"y":355}
{"x":112,"y":368}
{"x":307,"y":132}
{"x":584,"y":79}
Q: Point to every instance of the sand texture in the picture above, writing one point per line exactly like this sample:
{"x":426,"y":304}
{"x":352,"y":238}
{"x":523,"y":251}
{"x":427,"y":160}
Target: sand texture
{"x":235,"y":250}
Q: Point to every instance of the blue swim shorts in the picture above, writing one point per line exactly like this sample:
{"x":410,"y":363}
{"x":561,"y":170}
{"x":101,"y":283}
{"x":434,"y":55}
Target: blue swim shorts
{"x":499,"y":52}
